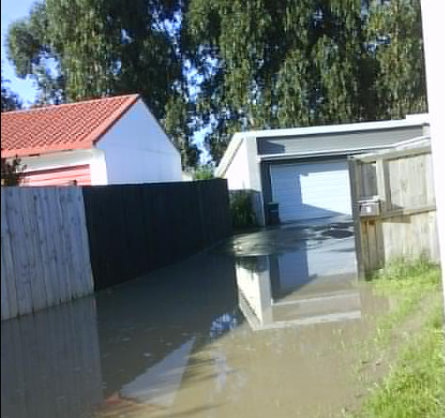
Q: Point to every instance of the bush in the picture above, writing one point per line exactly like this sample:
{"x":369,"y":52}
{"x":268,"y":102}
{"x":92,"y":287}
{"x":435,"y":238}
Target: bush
{"x":11,"y":172}
{"x":204,"y":172}
{"x":243,"y":215}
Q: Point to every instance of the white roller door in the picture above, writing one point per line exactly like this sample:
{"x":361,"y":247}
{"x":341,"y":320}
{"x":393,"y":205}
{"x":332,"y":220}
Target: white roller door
{"x":311,"y":190}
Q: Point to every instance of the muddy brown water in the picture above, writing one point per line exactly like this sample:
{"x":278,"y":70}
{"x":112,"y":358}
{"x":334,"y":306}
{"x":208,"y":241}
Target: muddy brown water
{"x":248,"y":329}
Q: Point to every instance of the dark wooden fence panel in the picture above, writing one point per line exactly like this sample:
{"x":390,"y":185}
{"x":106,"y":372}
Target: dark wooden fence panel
{"x":134,"y":229}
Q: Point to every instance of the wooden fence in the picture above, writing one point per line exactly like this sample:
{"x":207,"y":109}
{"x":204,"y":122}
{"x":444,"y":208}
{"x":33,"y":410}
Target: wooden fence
{"x":44,"y":248}
{"x":134,"y":229}
{"x":399,"y":185}
{"x":61,"y":243}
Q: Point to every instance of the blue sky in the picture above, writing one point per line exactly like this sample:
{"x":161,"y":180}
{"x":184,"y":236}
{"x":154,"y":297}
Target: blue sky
{"x":11,"y":11}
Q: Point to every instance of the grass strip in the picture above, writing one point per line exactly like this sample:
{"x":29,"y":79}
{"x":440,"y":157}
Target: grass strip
{"x":415,"y":385}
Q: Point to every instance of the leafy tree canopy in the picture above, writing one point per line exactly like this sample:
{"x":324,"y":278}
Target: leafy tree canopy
{"x":229,"y":64}
{"x":282,"y":63}
{"x":10,"y":101}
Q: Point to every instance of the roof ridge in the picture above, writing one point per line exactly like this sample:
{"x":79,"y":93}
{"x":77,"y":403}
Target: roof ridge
{"x":54,"y":106}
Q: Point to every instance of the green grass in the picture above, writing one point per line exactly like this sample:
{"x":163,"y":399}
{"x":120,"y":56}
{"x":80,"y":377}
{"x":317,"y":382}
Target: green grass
{"x":415,"y":385}
{"x":407,"y":284}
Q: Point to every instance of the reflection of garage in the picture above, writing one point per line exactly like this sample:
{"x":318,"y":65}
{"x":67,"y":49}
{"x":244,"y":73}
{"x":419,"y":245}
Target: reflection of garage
{"x":305,"y":170}
{"x":311,"y":190}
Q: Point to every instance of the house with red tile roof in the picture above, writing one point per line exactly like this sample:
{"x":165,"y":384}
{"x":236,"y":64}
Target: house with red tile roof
{"x":113,"y":140}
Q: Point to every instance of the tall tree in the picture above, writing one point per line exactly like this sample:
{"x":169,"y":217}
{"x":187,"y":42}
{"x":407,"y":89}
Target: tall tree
{"x":10,"y":100}
{"x":11,"y":170}
{"x":279,"y":63}
{"x":395,"y":32}
{"x":32,"y":53}
{"x":288,"y":63}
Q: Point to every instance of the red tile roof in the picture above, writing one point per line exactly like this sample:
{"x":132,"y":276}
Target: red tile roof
{"x":62,"y":127}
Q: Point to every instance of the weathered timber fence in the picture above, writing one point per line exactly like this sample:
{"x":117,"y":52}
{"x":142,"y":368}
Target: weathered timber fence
{"x":134,"y":229}
{"x":397,"y":186}
{"x":61,"y":243}
{"x":44,"y":248}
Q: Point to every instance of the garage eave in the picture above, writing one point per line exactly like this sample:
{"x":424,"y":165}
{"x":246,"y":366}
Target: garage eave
{"x":315,"y":154}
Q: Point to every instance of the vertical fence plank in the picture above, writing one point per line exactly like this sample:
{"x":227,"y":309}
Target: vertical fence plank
{"x":40,"y":196}
{"x":354,"y":181}
{"x":9,"y":297}
{"x":19,"y":239}
{"x":63,"y":255}
{"x":34,"y":248}
{"x":83,"y":245}
{"x":5,"y":305}
{"x":71,"y":229}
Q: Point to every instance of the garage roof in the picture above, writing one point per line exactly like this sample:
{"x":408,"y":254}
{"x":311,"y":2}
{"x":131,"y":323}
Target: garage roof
{"x":325,"y":140}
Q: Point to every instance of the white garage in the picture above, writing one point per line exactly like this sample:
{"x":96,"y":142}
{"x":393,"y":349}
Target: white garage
{"x":305,"y":169}
{"x":311,"y":190}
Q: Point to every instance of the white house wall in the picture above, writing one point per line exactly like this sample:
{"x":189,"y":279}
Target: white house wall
{"x":237,"y":174}
{"x":138,"y":151}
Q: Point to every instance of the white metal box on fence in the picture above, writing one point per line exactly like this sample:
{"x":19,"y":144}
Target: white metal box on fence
{"x":369,"y":207}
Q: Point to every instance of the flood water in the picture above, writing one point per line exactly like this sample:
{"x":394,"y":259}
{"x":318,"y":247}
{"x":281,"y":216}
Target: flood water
{"x":266,"y":325}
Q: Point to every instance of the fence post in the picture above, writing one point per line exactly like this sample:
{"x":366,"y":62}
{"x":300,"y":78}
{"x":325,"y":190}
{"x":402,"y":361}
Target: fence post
{"x":354,"y":177}
{"x":383,"y":186}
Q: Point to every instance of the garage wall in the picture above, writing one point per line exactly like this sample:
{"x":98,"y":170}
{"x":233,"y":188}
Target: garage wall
{"x":237,"y":174}
{"x":137,"y":150}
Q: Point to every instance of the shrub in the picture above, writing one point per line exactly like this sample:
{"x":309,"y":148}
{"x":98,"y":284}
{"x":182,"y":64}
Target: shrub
{"x":11,"y":172}
{"x":204,"y":172}
{"x":243,"y":215}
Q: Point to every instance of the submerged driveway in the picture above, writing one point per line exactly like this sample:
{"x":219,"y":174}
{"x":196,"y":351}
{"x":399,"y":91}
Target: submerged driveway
{"x":265,"y":325}
{"x":319,"y":247}
{"x":299,"y":268}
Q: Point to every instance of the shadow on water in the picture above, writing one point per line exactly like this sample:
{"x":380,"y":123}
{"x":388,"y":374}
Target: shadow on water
{"x":249,"y":329}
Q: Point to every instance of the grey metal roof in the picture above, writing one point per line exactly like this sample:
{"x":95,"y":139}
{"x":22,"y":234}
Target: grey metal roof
{"x":334,"y":142}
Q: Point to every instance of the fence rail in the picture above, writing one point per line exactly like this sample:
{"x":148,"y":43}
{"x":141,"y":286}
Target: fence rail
{"x":405,"y":225}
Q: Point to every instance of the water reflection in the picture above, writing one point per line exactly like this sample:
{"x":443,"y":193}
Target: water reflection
{"x":271,"y":293}
{"x":50,"y":363}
